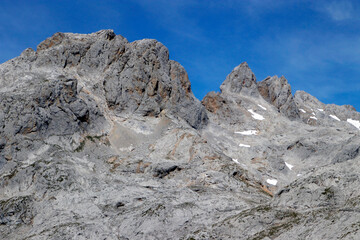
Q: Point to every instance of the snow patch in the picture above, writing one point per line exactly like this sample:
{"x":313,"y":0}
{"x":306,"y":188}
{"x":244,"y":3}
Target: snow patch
{"x":313,"y":117}
{"x":356,"y":123}
{"x":313,"y":113}
{"x":262,"y":107}
{"x":302,"y":110}
{"x":298,"y":175}
{"x":236,"y":161}
{"x":289,"y":165}
{"x":248,"y":132}
{"x":256,"y":115}
{"x":321,"y":110}
{"x":272,"y":181}
{"x":335,"y":117}
{"x":244,"y":145}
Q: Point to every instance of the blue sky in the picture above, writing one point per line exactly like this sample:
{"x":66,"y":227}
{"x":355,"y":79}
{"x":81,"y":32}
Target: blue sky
{"x":314,"y":44}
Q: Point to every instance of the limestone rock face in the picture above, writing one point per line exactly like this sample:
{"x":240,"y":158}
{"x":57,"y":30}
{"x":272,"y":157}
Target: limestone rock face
{"x":241,"y":79}
{"x":146,"y":82}
{"x":135,"y":77}
{"x":314,"y":112}
{"x":101,"y":138}
{"x":277,"y":91}
{"x":230,"y":106}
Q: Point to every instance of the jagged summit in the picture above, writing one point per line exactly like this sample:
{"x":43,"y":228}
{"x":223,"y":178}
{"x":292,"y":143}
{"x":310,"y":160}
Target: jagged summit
{"x":101,"y":138}
{"x":241,"y":79}
{"x":277,"y":91}
{"x":242,"y":82}
{"x":135,"y":77}
{"x":59,"y":38}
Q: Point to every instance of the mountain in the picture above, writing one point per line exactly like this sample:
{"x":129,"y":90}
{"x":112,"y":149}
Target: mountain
{"x":101,"y":138}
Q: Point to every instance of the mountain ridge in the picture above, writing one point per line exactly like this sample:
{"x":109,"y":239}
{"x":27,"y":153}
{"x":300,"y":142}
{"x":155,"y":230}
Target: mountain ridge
{"x":103,"y":138}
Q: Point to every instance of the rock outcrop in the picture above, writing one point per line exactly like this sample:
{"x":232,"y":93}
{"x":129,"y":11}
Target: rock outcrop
{"x":241,"y":79}
{"x":277,"y":91}
{"x":133,"y":77}
{"x":101,"y":138}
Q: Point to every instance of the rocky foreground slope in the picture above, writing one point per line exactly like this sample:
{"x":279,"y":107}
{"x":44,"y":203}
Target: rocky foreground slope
{"x":101,"y":138}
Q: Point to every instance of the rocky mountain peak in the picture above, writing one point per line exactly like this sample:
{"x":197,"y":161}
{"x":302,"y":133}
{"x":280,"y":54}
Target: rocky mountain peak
{"x":67,"y":38}
{"x":133,"y":78}
{"x":306,"y":98}
{"x":241,"y":79}
{"x":101,"y":138}
{"x":277,"y":91}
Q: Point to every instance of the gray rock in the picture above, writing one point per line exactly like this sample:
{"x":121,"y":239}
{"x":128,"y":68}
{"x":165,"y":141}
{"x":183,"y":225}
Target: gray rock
{"x":277,"y":91}
{"x":314,"y":112}
{"x":136,"y":77}
{"x":241,"y":79}
{"x":149,"y":83}
{"x":103,"y":139}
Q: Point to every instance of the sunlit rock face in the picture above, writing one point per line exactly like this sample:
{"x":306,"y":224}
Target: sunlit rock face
{"x":101,"y":138}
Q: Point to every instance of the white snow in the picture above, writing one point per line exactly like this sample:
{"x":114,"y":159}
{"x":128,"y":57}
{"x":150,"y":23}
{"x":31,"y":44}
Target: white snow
{"x":321,"y":110}
{"x":272,"y":181}
{"x":244,"y":145}
{"x":236,"y":161}
{"x":313,"y":113}
{"x":248,"y":132}
{"x":335,"y":117}
{"x":262,"y":107}
{"x":289,"y":165}
{"x":256,"y":115}
{"x":356,"y":123}
{"x":313,"y":117}
{"x":298,"y":175}
{"x":302,"y":110}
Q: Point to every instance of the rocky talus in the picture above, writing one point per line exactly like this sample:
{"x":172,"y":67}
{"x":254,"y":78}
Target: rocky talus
{"x":101,"y":138}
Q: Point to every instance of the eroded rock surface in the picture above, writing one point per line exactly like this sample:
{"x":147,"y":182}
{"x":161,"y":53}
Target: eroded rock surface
{"x":101,"y":138}
{"x":241,"y":79}
{"x":277,"y":91}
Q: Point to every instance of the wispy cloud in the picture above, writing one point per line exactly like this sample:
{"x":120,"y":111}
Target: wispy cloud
{"x":340,"y":10}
